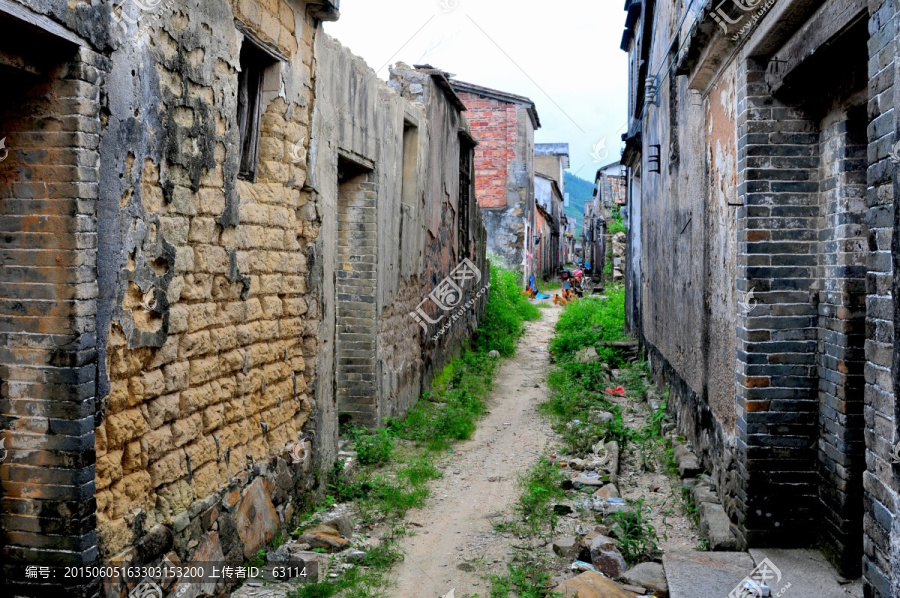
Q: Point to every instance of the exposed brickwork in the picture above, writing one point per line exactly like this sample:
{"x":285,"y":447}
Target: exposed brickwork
{"x":504,"y":171}
{"x":168,"y":335}
{"x":357,"y":388}
{"x":777,"y":410}
{"x":495,"y":124}
{"x":841,"y":345}
{"x":815,"y":422}
{"x":48,"y":355}
{"x":880,"y":479}
{"x":229,"y":384}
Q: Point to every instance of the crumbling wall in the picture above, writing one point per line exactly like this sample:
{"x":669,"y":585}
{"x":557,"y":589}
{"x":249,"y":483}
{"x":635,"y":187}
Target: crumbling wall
{"x":416,"y":246}
{"x":207,"y":314}
{"x":504,"y":167}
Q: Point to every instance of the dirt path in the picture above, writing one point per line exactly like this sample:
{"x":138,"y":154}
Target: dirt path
{"x":452,"y":542}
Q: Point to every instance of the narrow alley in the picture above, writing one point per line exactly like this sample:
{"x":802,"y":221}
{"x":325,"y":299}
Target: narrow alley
{"x":449,"y":299}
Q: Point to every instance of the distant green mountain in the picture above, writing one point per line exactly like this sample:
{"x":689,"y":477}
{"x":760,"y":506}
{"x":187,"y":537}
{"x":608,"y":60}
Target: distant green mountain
{"x":580,"y":191}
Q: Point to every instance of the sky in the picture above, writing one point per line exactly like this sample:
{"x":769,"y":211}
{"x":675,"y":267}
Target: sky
{"x":564,"y":55}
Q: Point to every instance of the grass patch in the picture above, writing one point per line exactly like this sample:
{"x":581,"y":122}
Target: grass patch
{"x":448,"y":412}
{"x":541,"y":487}
{"x":366,"y":579}
{"x":375,"y":449}
{"x":588,"y":322}
{"x":396,"y":462}
{"x":505,"y":314}
{"x":527,"y":577}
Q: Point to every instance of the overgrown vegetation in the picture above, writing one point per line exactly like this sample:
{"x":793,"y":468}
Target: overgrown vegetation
{"x":505,"y":315}
{"x":590,"y":322}
{"x":541,"y":487}
{"x":396,"y":462}
{"x":637,"y":539}
{"x":616,"y":223}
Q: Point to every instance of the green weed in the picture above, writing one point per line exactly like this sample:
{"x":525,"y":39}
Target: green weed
{"x":637,"y":539}
{"x":541,"y":487}
{"x":374,"y":449}
{"x":528,"y":576}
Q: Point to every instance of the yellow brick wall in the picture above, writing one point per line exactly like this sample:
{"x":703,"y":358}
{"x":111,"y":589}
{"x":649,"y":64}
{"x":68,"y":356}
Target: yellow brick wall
{"x":184,"y":418}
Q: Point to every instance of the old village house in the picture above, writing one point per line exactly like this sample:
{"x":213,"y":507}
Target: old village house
{"x":220,"y":231}
{"x":762,"y":185}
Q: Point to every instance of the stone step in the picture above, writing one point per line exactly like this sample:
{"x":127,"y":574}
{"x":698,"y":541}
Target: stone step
{"x":692,"y":574}
{"x":789,"y":573}
{"x":807,"y":572}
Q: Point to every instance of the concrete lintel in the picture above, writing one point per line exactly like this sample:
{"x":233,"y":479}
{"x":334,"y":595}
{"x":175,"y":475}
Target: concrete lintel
{"x":21,"y":13}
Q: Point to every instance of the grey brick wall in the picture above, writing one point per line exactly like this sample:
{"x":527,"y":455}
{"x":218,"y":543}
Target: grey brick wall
{"x":778,"y":224}
{"x":356,"y":278}
{"x":880,"y":478}
{"x":841,"y":343}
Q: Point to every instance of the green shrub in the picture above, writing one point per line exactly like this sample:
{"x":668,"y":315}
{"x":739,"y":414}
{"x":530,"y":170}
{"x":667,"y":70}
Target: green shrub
{"x":589,"y":321}
{"x":541,"y":486}
{"x":374,"y":449}
{"x":616,"y":225}
{"x":505,"y":313}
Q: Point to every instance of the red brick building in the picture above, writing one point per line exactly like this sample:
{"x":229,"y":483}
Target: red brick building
{"x":504,"y":125}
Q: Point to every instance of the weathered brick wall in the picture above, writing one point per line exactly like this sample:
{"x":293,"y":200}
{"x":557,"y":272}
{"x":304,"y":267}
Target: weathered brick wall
{"x":841,"y":343}
{"x":48,"y":346}
{"x":356,"y":272}
{"x":880,"y":480}
{"x":410,"y":203}
{"x":205,"y":302}
{"x":504,"y":170}
{"x":784,"y":222}
{"x":777,"y":404}
{"x":495,"y":125}
{"x":210,"y":375}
